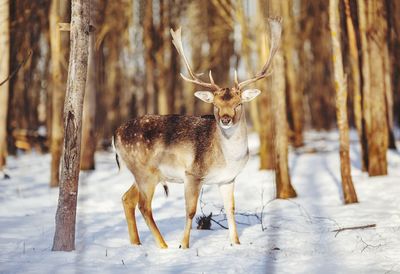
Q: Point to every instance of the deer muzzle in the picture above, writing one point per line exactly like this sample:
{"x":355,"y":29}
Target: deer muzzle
{"x":226,"y":121}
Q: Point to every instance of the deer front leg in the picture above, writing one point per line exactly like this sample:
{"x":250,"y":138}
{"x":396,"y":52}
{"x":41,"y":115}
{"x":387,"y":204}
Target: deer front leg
{"x":226,"y":191}
{"x":192,"y":190}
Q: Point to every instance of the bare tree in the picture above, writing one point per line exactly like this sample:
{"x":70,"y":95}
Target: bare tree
{"x":341,"y":104}
{"x":64,"y":237}
{"x":4,"y":73}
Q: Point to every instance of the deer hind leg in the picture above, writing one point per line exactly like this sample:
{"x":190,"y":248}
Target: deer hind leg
{"x":192,"y":190}
{"x":145,"y":198}
{"x":226,"y":191}
{"x":130,"y":200}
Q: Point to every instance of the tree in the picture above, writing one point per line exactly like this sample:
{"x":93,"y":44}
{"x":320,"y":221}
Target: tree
{"x":284,"y":188}
{"x":59,"y":49}
{"x":88,"y":147}
{"x":265,"y":110}
{"x":4,"y":73}
{"x":373,"y":33}
{"x":293,"y":88}
{"x":356,"y":84}
{"x":64,"y":237}
{"x":341,"y":104}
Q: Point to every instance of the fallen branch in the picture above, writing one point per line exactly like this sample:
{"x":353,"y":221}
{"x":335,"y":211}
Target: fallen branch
{"x":353,"y":228}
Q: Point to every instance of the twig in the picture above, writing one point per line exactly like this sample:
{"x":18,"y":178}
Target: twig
{"x":368,"y":245}
{"x":11,"y":75}
{"x":353,"y":228}
{"x":218,"y":223}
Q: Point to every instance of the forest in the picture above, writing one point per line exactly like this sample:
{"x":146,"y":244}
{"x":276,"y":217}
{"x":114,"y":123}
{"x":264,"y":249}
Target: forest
{"x":321,"y":183}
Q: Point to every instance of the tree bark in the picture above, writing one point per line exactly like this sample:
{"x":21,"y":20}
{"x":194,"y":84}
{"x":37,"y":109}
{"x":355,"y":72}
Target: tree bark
{"x":88,"y":147}
{"x":265,"y":100}
{"x":294,"y":92}
{"x":378,"y":132}
{"x":148,"y":41}
{"x":64,"y":238}
{"x":4,"y":73}
{"x":356,"y":85}
{"x":284,"y":188}
{"x":59,"y":48}
{"x":341,"y":104}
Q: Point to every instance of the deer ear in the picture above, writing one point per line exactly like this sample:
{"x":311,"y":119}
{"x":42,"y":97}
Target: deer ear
{"x":249,"y":94}
{"x":205,"y":96}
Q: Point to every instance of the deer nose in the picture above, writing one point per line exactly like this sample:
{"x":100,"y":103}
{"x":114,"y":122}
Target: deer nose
{"x":226,"y":120}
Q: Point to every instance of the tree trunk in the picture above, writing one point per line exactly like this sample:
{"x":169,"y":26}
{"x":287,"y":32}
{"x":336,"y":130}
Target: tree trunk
{"x":378,"y":132}
{"x":394,"y":9}
{"x":148,"y":41}
{"x":356,"y":85}
{"x":366,"y":86}
{"x":265,"y":100}
{"x":4,"y":73}
{"x":294,"y":92}
{"x":320,"y":87}
{"x":59,"y":48}
{"x":284,"y":187}
{"x":64,"y":238}
{"x":88,"y":147}
{"x":341,"y":104}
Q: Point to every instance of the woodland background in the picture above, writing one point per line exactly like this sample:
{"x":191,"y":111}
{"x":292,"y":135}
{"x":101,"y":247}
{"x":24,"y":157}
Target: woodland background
{"x":134,"y":69}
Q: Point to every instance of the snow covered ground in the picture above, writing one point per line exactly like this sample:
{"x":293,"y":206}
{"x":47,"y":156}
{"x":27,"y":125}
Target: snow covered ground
{"x":297,"y":235}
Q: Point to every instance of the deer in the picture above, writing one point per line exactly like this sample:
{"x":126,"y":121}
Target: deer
{"x":192,"y":150}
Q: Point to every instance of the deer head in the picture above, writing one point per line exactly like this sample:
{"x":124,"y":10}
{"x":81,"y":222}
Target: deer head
{"x":228,"y":101}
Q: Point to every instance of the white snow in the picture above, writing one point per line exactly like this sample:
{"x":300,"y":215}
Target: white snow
{"x":297,"y":238}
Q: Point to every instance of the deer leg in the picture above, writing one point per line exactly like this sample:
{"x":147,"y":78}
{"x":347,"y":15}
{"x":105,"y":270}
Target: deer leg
{"x":226,"y":191}
{"x":192,"y":190}
{"x":145,"y":198}
{"x":130,"y":200}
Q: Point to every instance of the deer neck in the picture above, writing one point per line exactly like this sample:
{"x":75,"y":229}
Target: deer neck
{"x":233,"y":140}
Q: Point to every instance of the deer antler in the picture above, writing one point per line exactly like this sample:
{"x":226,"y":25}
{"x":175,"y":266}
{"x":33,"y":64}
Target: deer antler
{"x":177,"y":41}
{"x":276,"y":31}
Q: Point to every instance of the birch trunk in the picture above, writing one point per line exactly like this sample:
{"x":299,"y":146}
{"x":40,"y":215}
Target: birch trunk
{"x":64,"y":238}
{"x":341,"y":104}
{"x":4,"y":73}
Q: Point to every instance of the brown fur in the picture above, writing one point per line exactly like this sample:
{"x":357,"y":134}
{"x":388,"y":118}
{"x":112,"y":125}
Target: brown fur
{"x":166,"y":131}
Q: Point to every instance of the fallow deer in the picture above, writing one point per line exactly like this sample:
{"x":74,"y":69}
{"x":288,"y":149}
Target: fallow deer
{"x":188,"y":149}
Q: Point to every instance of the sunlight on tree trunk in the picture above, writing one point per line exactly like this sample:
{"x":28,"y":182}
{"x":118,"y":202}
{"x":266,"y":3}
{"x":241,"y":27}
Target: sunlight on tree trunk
{"x":341,"y":104}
